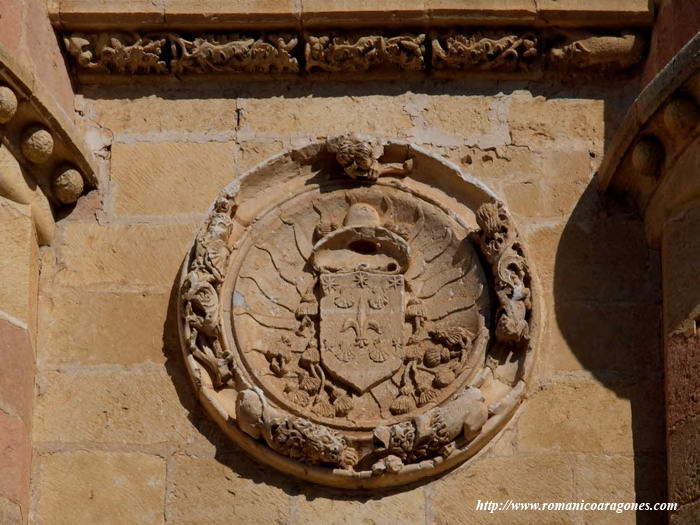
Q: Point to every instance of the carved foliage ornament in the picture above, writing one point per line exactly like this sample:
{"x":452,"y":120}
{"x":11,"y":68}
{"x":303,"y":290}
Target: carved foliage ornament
{"x":497,"y":50}
{"x":357,"y":326}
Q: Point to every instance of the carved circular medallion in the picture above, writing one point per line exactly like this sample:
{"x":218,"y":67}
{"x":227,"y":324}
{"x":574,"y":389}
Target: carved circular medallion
{"x":358,"y":313}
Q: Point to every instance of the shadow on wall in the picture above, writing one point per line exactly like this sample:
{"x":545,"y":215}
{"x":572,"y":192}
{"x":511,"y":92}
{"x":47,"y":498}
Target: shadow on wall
{"x":608,"y":311}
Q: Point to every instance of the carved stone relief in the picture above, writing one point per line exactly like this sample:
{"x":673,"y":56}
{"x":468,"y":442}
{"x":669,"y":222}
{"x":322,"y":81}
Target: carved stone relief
{"x":367,"y":323}
{"x":517,"y":51}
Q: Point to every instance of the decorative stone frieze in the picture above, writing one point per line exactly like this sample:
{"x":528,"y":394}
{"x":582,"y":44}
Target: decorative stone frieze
{"x":345,"y":329}
{"x":529,"y":50}
{"x":359,"y":51}
{"x":133,"y":53}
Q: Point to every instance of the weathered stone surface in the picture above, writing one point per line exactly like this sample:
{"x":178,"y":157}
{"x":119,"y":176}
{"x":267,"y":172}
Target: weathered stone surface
{"x":19,"y":271}
{"x":583,"y":415}
{"x":621,"y":479}
{"x":604,"y":336}
{"x":521,"y":478}
{"x":462,"y":120}
{"x":686,"y":515}
{"x":15,"y":460}
{"x":285,"y":118}
{"x":406,"y":507}
{"x":49,"y":66}
{"x":684,"y":462}
{"x":90,"y":486}
{"x":139,"y":115}
{"x":250,"y":153}
{"x":111,"y":405}
{"x":620,"y":12}
{"x":682,"y":378}
{"x":10,"y":512}
{"x":556,"y":123}
{"x":17,"y":383}
{"x":11,"y":25}
{"x":681,"y":266}
{"x":228,"y":489}
{"x":456,"y":12}
{"x":253,"y":13}
{"x":601,"y":257}
{"x":103,"y":257}
{"x":342,"y":12}
{"x":115,"y":328}
{"x":141,"y":170}
{"x":93,"y":12}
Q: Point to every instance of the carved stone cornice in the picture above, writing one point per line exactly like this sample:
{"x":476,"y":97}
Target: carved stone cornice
{"x":657,"y":131}
{"x":40,"y":144}
{"x":290,"y":14}
{"x":529,"y":53}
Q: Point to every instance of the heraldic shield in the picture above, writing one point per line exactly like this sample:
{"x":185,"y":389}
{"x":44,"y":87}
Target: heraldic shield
{"x":362,"y":316}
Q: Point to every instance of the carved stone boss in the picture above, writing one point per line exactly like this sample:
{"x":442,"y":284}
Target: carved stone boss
{"x":349,"y":320}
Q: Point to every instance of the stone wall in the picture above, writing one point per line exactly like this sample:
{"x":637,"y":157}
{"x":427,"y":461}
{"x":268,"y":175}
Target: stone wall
{"x":118,"y":435}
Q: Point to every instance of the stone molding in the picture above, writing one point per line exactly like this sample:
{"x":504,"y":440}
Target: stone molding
{"x":657,"y":129}
{"x":300,"y":15}
{"x":372,"y":322}
{"x":526,"y":53}
{"x":45,"y":146}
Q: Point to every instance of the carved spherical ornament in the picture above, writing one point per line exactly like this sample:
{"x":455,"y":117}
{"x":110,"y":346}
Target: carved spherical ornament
{"x":8,"y":104}
{"x":359,"y":313}
{"x":37,"y":144}
{"x":68,"y":185}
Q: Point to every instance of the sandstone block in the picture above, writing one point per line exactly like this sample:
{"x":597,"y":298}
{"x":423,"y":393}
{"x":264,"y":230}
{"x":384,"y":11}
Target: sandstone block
{"x":250,"y":153}
{"x":557,"y":124}
{"x":141,"y":171}
{"x":115,"y":328}
{"x":10,"y":512}
{"x":95,"y":13}
{"x":596,"y":12}
{"x":604,"y":336}
{"x":285,"y":118}
{"x":457,"y":120}
{"x":130,"y":257}
{"x":681,"y":266}
{"x":19,"y":272}
{"x":257,"y":14}
{"x":112,"y":405}
{"x":455,"y":12}
{"x":583,"y":415}
{"x":614,"y":478}
{"x":135,"y":116}
{"x":229,"y":489}
{"x":601,"y":258}
{"x":532,"y":478}
{"x":682,"y":378}
{"x":406,"y":507}
{"x":17,"y":383}
{"x":362,"y":13}
{"x":87,"y":486}
{"x":11,"y":25}
{"x":686,"y":515}
{"x":15,"y":460}
{"x":49,"y":66}
{"x":684,"y":462}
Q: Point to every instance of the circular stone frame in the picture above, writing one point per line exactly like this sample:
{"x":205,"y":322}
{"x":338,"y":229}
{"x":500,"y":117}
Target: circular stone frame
{"x":420,"y":442}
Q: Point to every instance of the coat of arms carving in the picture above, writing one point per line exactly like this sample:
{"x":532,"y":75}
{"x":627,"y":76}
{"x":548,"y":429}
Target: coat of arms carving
{"x":358,"y":313}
